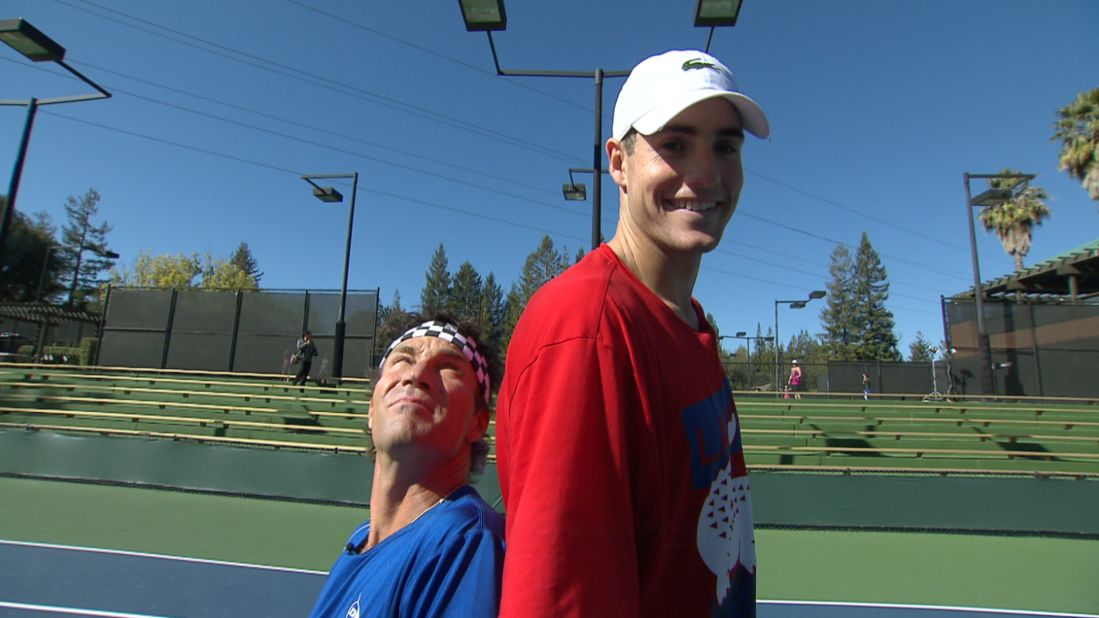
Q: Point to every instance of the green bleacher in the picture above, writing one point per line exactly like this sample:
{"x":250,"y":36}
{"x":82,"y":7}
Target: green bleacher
{"x":1033,"y":437}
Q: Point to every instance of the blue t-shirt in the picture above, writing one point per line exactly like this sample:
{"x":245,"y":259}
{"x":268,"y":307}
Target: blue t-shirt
{"x":446,"y":563}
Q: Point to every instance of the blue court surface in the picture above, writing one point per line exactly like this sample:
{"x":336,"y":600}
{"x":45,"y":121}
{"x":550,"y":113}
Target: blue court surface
{"x":55,"y":580}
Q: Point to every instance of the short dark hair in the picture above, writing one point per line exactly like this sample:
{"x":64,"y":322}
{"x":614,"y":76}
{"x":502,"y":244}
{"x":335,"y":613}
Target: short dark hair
{"x":629,"y":141}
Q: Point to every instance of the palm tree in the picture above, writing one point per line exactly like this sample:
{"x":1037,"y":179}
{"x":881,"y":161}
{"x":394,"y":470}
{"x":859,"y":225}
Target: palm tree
{"x":1013,"y":219}
{"x":1078,"y":128}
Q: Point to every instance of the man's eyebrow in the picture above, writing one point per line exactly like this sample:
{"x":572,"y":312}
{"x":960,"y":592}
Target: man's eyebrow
{"x":690,"y":130}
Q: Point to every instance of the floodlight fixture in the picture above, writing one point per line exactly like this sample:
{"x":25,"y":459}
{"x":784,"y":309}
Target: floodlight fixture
{"x":991,"y":197}
{"x":574,"y":192}
{"x":817,"y":294}
{"x":24,"y":38}
{"x":740,"y":334}
{"x":484,"y":15}
{"x":327,"y":194}
{"x":716,"y":13}
{"x":798,"y":305}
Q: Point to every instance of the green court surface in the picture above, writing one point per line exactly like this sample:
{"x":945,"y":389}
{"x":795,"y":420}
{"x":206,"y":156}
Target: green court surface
{"x":1031,"y":573}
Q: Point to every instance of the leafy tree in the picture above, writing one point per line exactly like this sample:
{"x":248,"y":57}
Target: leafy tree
{"x":160,"y":271}
{"x":183,"y":271}
{"x":837,"y":316}
{"x":218,"y":274}
{"x":1078,"y":129}
{"x":26,"y":254}
{"x":579,"y":255}
{"x":435,"y":295}
{"x":1013,"y":220}
{"x":392,"y":320}
{"x":465,"y":292}
{"x":83,"y":246}
{"x":875,"y":339}
{"x":920,"y":350}
{"x":246,"y":262}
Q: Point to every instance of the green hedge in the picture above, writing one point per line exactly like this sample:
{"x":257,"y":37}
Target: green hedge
{"x":84,"y":354}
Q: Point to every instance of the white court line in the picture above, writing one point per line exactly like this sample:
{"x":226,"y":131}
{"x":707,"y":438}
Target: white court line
{"x":119,"y":552}
{"x":987,"y":610}
{"x":74,"y":611}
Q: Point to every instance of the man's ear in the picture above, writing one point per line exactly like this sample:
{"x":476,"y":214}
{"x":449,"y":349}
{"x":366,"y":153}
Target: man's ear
{"x":616,"y":158}
{"x":479,"y":425}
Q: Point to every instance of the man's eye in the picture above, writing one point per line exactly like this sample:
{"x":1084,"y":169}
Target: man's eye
{"x":727,"y":148}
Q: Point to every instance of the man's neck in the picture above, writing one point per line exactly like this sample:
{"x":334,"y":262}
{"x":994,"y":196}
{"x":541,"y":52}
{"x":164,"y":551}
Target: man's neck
{"x":670,"y":276}
{"x":400,"y":494}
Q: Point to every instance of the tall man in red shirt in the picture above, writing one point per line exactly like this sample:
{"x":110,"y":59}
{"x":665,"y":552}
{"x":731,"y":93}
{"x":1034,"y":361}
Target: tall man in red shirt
{"x":619,"y":451}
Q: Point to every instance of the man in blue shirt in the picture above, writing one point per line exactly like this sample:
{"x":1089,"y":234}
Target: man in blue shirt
{"x":432,"y":546}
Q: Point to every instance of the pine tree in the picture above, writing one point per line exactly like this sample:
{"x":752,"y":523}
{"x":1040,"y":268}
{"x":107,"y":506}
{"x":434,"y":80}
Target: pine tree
{"x":246,"y":262}
{"x":840,"y":331}
{"x":875,"y":339}
{"x":436,"y":293}
{"x":543,"y":264}
{"x":465,"y":292}
{"x":84,"y":247}
{"x":920,"y":350}
{"x":491,"y":315}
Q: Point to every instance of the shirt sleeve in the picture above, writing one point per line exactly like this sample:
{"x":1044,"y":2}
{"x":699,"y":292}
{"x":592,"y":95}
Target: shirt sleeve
{"x":570,"y":479}
{"x":462,"y":579}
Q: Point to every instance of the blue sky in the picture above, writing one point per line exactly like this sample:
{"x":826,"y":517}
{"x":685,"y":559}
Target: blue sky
{"x":877,"y":108}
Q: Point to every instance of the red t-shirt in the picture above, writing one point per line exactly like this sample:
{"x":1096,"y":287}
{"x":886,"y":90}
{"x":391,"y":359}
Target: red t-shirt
{"x":620,"y":458}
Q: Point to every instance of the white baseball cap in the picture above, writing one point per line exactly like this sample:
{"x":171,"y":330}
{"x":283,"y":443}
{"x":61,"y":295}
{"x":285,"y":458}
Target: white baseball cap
{"x":662,"y":86}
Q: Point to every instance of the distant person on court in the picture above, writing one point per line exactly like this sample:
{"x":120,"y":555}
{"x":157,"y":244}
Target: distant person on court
{"x":304,"y":356}
{"x":618,"y":445}
{"x":432,"y":546}
{"x":793,"y":383}
{"x":865,"y":386}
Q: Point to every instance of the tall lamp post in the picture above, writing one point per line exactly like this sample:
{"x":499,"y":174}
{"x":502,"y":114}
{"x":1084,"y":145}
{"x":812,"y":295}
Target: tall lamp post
{"x":794,"y":304}
{"x":37,"y":47}
{"x":331,"y":195}
{"x":748,"y":341}
{"x":987,"y":198}
{"x":489,"y":16}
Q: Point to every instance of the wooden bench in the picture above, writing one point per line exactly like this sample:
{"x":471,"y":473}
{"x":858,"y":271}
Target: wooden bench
{"x":312,"y":446}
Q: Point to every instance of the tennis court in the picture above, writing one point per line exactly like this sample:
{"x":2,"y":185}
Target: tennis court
{"x":101,"y":550}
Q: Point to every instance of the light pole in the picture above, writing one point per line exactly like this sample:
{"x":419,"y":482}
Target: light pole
{"x":331,"y":195}
{"x":489,"y":15}
{"x":987,"y":198}
{"x":794,"y":304}
{"x":37,"y":47}
{"x":748,"y":341}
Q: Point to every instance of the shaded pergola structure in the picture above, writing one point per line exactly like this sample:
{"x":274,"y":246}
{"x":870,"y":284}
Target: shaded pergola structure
{"x":1043,"y":324}
{"x":46,"y":316}
{"x":1072,"y":276}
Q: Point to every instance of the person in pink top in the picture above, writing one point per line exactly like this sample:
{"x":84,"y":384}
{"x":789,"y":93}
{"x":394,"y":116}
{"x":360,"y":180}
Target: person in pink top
{"x":794,"y":382}
{"x":618,"y":445}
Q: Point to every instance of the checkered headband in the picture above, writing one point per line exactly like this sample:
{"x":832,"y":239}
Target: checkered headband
{"x":449,"y":333}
